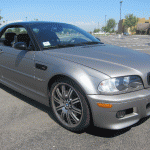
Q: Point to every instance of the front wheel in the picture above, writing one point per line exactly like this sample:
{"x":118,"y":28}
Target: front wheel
{"x":69,"y":105}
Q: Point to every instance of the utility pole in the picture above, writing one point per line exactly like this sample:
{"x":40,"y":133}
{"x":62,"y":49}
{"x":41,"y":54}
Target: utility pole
{"x":105,"y":20}
{"x":120,"y":8}
{"x":0,"y":14}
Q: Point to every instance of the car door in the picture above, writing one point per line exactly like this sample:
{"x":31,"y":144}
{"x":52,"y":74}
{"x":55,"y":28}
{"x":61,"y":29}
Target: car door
{"x":17,"y":67}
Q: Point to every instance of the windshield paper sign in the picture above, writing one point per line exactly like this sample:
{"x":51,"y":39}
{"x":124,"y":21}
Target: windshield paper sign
{"x":46,"y":44}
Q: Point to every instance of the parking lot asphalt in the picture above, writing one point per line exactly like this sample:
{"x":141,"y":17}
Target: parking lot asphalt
{"x":29,"y":125}
{"x":136,"y":42}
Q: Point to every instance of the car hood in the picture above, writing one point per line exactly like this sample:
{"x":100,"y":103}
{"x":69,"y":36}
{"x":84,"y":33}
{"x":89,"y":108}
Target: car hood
{"x":111,"y":60}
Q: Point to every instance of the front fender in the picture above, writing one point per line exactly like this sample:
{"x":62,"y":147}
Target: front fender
{"x":87,"y":78}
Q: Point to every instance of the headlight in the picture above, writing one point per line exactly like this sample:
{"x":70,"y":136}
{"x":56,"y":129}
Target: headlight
{"x":120,"y":85}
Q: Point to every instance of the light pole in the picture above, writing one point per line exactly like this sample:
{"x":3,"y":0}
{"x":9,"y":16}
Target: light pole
{"x":105,"y":20}
{"x":120,"y":8}
{"x":0,"y":14}
{"x":26,"y":18}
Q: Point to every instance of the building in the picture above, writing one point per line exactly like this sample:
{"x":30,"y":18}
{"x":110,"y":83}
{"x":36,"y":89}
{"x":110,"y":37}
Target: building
{"x":143,"y":26}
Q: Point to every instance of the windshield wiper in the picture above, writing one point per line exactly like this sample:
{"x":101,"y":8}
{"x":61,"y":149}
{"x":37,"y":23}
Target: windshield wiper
{"x":78,"y":44}
{"x":73,"y":45}
{"x":60,"y":46}
{"x":66,"y":45}
{"x":91,"y":43}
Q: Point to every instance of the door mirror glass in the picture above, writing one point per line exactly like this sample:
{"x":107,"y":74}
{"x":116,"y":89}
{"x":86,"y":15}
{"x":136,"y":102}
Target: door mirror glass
{"x":20,"y":45}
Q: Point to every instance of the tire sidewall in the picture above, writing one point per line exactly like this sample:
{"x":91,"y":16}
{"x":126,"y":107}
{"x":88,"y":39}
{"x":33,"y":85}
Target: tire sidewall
{"x":85,"y":119}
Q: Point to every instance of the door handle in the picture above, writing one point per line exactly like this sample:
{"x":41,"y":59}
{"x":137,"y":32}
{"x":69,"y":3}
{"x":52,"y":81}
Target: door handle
{"x":40,"y":66}
{"x":1,"y":51}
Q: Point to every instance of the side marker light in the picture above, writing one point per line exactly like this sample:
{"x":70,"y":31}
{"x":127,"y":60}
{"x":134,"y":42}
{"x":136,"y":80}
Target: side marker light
{"x":104,"y":105}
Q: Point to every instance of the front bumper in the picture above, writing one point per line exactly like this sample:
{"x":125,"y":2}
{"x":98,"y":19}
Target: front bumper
{"x":138,"y":102}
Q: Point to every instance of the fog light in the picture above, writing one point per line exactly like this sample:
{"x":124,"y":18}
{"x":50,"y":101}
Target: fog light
{"x":121,"y":114}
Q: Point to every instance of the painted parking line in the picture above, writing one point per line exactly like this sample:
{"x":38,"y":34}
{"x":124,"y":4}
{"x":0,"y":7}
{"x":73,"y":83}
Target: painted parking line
{"x":142,"y":49}
{"x":139,"y":49}
{"x":138,"y":45}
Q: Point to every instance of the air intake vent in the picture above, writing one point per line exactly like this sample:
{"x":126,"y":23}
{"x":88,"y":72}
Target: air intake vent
{"x":148,"y":106}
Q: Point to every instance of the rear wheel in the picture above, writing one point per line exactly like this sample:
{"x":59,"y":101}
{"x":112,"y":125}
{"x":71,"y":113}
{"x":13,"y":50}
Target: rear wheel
{"x":69,"y":105}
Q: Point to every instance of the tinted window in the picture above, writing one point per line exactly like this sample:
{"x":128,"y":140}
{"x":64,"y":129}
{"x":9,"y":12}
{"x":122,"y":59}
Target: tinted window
{"x":50,"y":35}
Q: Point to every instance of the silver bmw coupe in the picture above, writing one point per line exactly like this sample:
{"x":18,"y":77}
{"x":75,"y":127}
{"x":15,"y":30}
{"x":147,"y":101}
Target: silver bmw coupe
{"x":81,"y":79}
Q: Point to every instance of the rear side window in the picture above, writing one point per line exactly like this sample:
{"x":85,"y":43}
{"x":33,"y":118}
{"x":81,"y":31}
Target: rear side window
{"x":13,"y":35}
{"x":18,"y":30}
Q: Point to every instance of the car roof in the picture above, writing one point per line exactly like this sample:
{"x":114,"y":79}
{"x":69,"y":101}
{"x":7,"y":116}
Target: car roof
{"x":31,"y":22}
{"x":27,"y":23}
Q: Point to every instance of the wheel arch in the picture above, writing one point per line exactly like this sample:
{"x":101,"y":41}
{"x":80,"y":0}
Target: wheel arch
{"x":61,"y":77}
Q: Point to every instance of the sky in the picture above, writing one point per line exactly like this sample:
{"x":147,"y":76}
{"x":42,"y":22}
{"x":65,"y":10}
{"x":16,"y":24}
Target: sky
{"x":86,"y":14}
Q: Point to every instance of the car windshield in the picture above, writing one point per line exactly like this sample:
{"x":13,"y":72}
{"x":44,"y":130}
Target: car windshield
{"x":59,"y":35}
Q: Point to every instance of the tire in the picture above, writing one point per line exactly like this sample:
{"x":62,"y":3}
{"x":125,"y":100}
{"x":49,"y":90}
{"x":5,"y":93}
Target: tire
{"x":69,"y":106}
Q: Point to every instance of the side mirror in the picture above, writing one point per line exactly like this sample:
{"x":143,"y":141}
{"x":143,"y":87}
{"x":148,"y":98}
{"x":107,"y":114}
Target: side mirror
{"x":20,"y":45}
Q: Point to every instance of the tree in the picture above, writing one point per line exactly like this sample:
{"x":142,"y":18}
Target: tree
{"x":111,"y":24}
{"x":9,"y":30}
{"x":23,"y":32}
{"x":105,"y":29}
{"x":65,"y":31}
{"x":96,"y":30}
{"x":17,"y":30}
{"x":1,"y":16}
{"x":36,"y":19}
{"x":113,"y":31}
{"x":130,"y":22}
